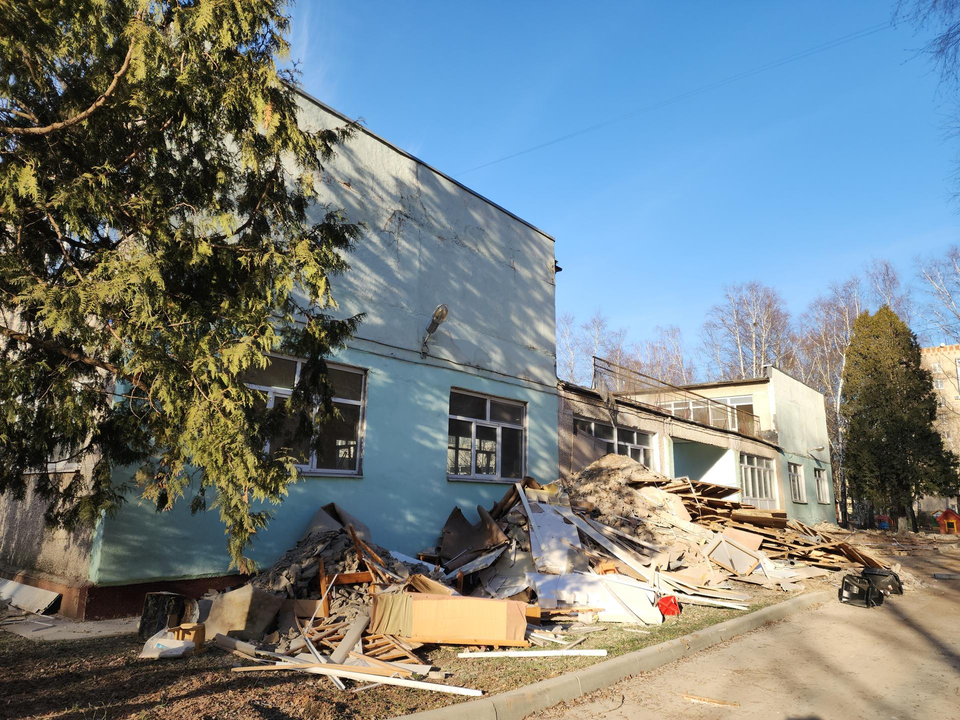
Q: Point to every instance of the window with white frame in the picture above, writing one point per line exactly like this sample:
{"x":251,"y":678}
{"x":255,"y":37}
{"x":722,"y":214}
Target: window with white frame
{"x":738,"y":417}
{"x":938,"y":384}
{"x":485,"y":438}
{"x":756,"y":481}
{"x":798,"y":493}
{"x":823,"y":490}
{"x":937,"y":368}
{"x":339,"y":438}
{"x":601,"y":431}
{"x":636,"y":445}
{"x":620,"y":440}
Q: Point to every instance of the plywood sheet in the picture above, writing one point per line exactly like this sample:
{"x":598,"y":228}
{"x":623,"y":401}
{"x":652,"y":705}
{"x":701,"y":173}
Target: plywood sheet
{"x":557,"y":541}
{"x":749,"y":540}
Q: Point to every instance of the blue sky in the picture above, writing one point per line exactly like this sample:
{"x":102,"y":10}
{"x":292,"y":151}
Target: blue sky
{"x":795,"y":177}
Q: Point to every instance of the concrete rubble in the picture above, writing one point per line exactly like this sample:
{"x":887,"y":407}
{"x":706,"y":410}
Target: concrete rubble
{"x":533,"y":576}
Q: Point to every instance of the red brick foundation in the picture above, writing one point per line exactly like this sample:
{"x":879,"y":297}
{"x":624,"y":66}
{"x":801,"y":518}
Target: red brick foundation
{"x":93,"y":602}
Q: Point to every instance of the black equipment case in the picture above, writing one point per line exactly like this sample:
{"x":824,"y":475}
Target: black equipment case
{"x":886,"y":581}
{"x":859,"y":591}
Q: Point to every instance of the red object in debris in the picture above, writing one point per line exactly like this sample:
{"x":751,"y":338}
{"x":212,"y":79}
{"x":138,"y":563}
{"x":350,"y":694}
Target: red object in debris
{"x":668,"y":605}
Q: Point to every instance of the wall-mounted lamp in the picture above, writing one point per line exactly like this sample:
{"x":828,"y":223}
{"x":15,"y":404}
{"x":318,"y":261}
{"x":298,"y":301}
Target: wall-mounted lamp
{"x":439,"y":315}
{"x":818,"y":448}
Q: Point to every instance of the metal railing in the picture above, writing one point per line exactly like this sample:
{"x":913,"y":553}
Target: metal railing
{"x":622,"y":383}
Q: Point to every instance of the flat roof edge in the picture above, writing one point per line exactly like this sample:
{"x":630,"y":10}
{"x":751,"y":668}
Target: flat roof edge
{"x":726,"y":383}
{"x":575,"y":389}
{"x":333,"y":111}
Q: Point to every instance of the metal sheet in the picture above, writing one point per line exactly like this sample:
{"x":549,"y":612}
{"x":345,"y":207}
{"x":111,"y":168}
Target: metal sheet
{"x":27,"y":597}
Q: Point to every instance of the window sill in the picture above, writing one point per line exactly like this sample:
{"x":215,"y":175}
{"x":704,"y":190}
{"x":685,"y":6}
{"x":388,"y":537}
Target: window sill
{"x":489,"y":481}
{"x":54,"y":470}
{"x":316,"y":475}
{"x":799,"y":502}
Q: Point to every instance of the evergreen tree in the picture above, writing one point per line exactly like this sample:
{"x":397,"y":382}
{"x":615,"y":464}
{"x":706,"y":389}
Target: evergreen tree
{"x":158,"y":237}
{"x":894,"y":455}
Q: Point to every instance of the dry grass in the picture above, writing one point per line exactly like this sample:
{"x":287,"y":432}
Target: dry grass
{"x":102,"y":679}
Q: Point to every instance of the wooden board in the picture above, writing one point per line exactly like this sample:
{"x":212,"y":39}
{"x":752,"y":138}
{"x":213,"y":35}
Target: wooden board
{"x":749,"y":540}
{"x":729,"y":555}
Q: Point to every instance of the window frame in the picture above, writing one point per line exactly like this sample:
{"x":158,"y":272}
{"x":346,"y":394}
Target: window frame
{"x":274,"y":391}
{"x":798,"y":489}
{"x":762,"y":476}
{"x":823,"y":487}
{"x":688,"y":409}
{"x":499,"y":425}
{"x":613,"y":446}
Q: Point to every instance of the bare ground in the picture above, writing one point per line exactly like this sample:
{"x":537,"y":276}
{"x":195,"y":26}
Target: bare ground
{"x":901,"y":660}
{"x":102,"y":679}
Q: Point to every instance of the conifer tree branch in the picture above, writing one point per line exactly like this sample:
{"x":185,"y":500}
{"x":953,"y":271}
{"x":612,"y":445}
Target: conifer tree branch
{"x":80,"y":117}
{"x":72,"y":354}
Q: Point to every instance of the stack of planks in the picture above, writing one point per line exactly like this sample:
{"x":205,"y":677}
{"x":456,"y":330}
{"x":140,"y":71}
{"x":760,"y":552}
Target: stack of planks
{"x":793,"y":540}
{"x":783,"y":539}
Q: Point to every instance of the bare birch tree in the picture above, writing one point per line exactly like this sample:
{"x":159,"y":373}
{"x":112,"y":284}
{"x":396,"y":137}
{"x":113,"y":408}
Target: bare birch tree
{"x":570,"y":352}
{"x":885,"y":288}
{"x":578,"y":344}
{"x":941,"y":282}
{"x":664,"y":357}
{"x":751,"y":328}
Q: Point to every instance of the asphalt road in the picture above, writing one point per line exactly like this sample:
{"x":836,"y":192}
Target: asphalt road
{"x":835,"y":662}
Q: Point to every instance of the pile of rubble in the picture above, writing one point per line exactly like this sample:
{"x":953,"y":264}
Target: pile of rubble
{"x":621,"y":544}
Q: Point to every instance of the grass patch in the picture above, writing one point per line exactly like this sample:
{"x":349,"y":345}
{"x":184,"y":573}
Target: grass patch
{"x":102,"y":679}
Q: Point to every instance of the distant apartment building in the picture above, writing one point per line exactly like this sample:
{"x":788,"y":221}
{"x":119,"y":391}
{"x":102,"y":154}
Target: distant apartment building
{"x":765,"y":437}
{"x":943,"y":362}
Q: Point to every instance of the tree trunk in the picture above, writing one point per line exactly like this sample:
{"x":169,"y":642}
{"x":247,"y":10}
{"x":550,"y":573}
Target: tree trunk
{"x":913,"y":519}
{"x":902,"y":519}
{"x":844,"y":518}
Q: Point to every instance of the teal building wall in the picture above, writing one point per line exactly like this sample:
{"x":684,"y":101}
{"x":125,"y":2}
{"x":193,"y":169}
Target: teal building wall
{"x":426,"y":240}
{"x":403,"y":494}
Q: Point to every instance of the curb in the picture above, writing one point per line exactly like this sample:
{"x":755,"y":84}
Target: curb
{"x":517,"y":704}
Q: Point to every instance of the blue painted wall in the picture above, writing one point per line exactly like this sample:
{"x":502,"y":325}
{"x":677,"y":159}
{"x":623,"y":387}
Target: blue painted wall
{"x":426,"y":240}
{"x":812,"y":511}
{"x":403,"y":496}
{"x":699,"y":461}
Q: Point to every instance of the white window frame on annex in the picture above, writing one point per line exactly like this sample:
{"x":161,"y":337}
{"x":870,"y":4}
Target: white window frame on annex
{"x":710,"y":411}
{"x":273,"y":392}
{"x":798,"y":488}
{"x":823,"y":488}
{"x":474,"y":476}
{"x":617,"y":440}
{"x":762,"y":475}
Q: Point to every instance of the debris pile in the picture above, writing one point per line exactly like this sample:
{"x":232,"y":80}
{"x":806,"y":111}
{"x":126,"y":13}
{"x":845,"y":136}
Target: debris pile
{"x":620,"y":544}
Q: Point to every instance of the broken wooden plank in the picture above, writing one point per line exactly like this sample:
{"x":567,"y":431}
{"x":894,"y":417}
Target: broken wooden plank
{"x":632,"y":561}
{"x":350,"y":639}
{"x":354,"y":673}
{"x":531,"y":654}
{"x":484,"y":561}
{"x":354,"y":578}
{"x":380,"y":672}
